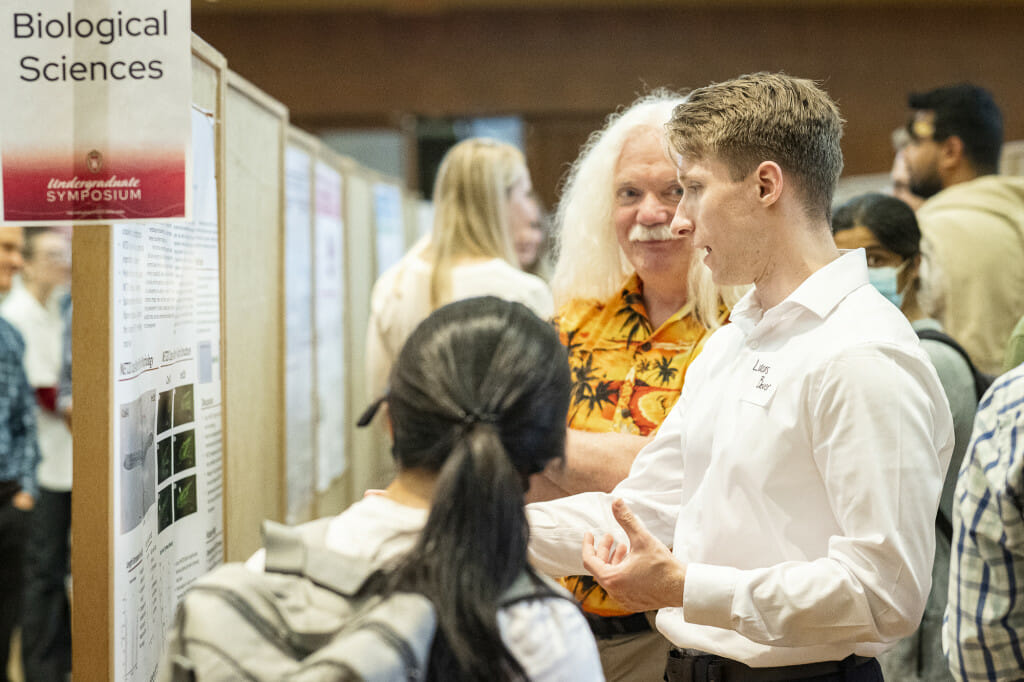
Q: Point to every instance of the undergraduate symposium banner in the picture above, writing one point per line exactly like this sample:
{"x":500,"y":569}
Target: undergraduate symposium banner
{"x":95,"y":122}
{"x":167,"y":472}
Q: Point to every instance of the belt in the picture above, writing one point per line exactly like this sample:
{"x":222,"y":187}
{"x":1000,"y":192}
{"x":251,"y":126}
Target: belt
{"x":684,"y":666}
{"x":613,"y":626}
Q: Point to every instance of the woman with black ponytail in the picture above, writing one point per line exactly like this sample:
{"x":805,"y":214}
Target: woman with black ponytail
{"x":477,"y":403}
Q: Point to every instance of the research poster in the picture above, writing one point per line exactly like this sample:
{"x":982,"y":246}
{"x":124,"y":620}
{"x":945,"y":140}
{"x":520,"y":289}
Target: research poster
{"x":167,"y":459}
{"x":96,"y":123}
{"x":298,"y":285}
{"x":387,"y":214}
{"x":330,"y":327}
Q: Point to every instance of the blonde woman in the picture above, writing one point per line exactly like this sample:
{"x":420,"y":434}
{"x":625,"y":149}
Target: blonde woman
{"x":468,"y":253}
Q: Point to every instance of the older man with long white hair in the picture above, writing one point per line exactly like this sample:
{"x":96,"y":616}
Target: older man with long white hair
{"x":634,"y":306}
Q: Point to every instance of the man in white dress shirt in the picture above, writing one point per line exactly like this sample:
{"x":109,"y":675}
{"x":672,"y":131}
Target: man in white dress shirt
{"x":798,"y":476}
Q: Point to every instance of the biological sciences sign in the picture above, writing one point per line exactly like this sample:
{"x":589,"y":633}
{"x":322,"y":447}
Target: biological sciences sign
{"x":95,"y":125}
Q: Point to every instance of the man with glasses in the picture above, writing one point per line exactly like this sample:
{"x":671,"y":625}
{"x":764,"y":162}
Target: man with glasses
{"x":973,"y":219}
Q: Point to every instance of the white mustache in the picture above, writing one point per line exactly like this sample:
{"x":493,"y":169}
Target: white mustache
{"x":644,"y":233}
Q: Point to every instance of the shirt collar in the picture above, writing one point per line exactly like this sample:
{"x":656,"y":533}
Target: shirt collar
{"x":819,"y":293}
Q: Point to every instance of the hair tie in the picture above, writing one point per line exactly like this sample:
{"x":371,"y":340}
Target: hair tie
{"x":470,"y":418}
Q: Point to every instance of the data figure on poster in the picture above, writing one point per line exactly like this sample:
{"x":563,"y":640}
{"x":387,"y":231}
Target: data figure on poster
{"x":138,"y":459}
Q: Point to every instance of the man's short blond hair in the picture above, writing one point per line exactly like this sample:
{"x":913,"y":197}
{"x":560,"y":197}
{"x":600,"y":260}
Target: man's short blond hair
{"x":765,"y":117}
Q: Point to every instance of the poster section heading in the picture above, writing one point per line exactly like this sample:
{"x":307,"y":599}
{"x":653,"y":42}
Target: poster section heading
{"x":106,"y":138}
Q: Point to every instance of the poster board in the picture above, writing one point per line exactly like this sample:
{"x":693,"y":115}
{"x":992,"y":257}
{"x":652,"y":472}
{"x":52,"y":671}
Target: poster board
{"x":300,"y":387}
{"x":369,"y":456}
{"x":167,"y":451}
{"x":330,"y":328}
{"x":388,"y":223}
{"x":253,"y":313}
{"x":104,"y":334}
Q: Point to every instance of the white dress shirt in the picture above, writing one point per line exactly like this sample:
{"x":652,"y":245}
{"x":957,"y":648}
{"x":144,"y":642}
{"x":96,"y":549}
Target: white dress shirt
{"x":797,"y":478}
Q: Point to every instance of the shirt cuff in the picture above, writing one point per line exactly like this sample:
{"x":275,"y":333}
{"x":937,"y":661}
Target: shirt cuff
{"x":28,"y":485}
{"x":708,"y":594}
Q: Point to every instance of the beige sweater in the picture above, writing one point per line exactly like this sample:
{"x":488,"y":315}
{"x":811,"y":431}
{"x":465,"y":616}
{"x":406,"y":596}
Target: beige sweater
{"x":976,"y":234}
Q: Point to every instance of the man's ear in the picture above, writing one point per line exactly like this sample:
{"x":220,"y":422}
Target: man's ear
{"x":951,"y":153}
{"x":769,"y":181}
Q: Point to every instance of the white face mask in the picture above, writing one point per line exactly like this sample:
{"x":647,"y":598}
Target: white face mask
{"x":886,"y":279}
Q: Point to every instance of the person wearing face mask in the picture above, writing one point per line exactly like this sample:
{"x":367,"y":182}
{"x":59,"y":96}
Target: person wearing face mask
{"x":886,"y":228}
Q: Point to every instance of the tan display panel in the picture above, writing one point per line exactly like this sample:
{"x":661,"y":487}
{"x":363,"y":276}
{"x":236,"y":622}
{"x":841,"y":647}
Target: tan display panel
{"x":251,"y":134}
{"x":252,"y":307}
{"x":340,"y":494}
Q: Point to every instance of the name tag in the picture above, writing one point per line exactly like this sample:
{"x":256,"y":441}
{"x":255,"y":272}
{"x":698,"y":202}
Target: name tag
{"x":761,"y":381}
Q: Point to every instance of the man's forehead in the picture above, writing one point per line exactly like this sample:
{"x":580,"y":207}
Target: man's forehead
{"x":12,"y":233}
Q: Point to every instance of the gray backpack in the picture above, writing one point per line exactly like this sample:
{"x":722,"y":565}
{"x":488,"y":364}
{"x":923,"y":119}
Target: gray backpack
{"x":304,"y":620}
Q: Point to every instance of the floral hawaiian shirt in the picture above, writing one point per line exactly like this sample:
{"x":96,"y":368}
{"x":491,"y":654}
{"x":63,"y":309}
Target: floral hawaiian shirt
{"x":626,"y":377}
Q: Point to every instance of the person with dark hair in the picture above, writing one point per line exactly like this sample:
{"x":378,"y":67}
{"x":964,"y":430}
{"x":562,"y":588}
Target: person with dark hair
{"x":885,"y":227}
{"x":899,"y":175}
{"x":477,"y":403}
{"x":797,"y":477}
{"x":972,"y":218}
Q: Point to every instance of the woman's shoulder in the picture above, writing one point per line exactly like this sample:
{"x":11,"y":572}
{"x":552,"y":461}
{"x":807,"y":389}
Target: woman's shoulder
{"x":496,"y":277}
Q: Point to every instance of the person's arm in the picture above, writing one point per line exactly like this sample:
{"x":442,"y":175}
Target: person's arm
{"x":881,"y":438}
{"x":24,"y":446}
{"x":594,"y":461}
{"x":652,"y":490}
{"x":984,"y":617}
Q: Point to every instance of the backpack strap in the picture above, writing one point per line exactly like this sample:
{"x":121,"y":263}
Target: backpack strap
{"x":981,"y":380}
{"x":303,"y":551}
{"x":944,"y":525}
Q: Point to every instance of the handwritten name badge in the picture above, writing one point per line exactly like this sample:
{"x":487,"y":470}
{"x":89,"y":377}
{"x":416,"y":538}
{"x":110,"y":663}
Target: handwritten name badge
{"x":761,"y":380}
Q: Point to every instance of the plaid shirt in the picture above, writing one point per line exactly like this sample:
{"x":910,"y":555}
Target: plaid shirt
{"x":19,"y":452}
{"x":984,"y":620}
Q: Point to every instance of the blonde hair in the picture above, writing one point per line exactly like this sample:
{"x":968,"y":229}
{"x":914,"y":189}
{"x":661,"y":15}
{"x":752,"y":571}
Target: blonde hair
{"x":766,"y":117}
{"x":471,"y":208}
{"x":590,"y":264}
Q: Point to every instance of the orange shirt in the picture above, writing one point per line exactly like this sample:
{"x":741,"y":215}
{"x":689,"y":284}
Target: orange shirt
{"x":626,"y":377}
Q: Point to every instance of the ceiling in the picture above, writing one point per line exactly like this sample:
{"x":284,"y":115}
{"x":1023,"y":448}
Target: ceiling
{"x":414,"y":7}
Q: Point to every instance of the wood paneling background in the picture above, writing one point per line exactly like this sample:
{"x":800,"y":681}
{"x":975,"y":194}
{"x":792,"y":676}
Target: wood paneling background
{"x":564,"y":70}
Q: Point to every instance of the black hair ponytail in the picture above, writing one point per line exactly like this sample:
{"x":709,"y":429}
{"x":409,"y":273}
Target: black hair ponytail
{"x":479,"y":395}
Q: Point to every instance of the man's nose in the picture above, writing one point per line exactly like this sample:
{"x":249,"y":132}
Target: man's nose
{"x":681,"y":224}
{"x":652,"y":211}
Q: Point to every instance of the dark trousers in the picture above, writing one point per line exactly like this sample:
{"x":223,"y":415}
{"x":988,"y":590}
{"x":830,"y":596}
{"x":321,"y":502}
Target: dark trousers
{"x":46,"y":622}
{"x":13,"y":537}
{"x":682,"y":667}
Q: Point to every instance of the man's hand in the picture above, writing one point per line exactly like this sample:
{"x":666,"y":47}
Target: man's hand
{"x":643,"y":577}
{"x":23,"y":501}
